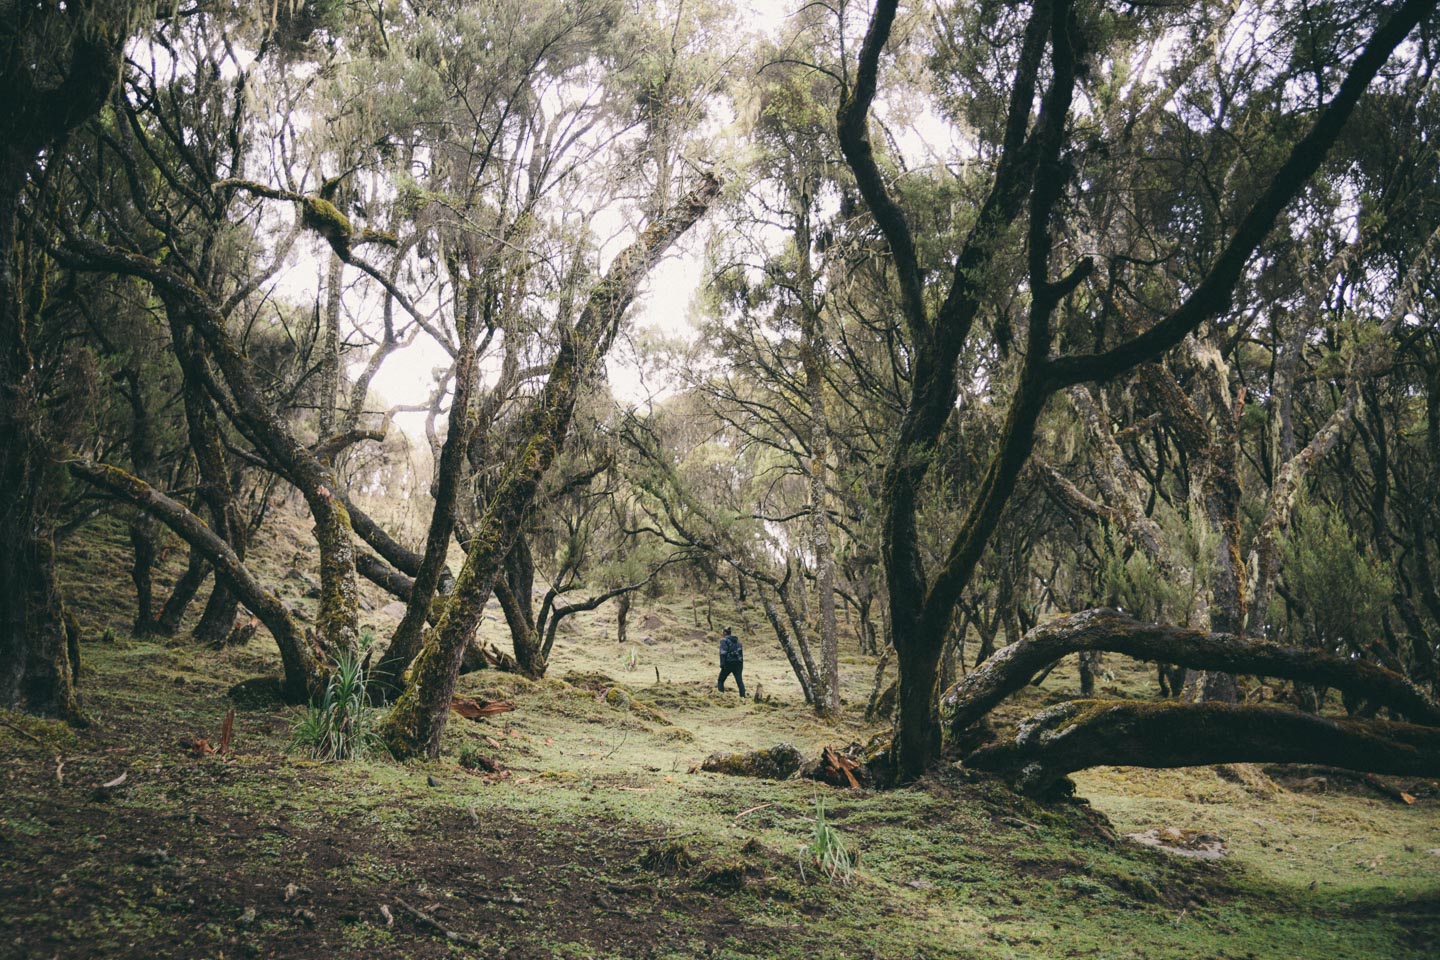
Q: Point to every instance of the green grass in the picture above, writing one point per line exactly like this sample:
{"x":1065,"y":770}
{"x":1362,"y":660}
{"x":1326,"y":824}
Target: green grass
{"x":619,"y":850}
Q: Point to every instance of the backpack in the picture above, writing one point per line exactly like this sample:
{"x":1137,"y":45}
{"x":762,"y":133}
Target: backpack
{"x":730,"y":650}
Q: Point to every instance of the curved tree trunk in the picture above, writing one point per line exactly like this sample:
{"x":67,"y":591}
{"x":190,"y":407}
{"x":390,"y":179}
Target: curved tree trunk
{"x":304,"y":666}
{"x":1010,"y":670}
{"x":1089,"y":733}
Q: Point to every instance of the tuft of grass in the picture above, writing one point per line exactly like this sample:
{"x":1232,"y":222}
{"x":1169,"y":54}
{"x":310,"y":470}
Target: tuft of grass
{"x":826,"y":851}
{"x":342,"y":725}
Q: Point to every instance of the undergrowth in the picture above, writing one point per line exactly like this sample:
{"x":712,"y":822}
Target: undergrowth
{"x":342,"y":726}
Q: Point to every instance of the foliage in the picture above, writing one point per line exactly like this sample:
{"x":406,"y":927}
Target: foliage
{"x":826,"y":851}
{"x":342,"y":725}
{"x":1132,"y":581}
{"x":1340,"y":588}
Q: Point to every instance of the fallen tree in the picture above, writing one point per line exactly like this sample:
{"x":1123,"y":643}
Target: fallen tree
{"x":1087,"y":733}
{"x":1090,"y":733}
{"x":1011,"y":669}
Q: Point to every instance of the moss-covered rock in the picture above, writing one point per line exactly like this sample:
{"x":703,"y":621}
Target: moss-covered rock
{"x":776,"y":763}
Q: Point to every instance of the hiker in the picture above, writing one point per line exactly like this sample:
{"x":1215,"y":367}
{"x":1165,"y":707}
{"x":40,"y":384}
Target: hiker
{"x":732,"y":660}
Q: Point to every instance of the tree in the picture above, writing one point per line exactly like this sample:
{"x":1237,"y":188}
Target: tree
{"x":59,"y":62}
{"x":417,"y":720}
{"x":1032,"y":175}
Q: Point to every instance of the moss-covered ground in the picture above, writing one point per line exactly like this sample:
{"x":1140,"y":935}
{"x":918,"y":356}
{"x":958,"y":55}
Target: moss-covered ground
{"x":596,"y":839}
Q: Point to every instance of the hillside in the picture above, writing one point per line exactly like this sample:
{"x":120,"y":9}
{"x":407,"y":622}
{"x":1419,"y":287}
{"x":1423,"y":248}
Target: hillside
{"x":596,"y":839}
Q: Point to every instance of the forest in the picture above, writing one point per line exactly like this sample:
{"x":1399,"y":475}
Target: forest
{"x":400,"y":399}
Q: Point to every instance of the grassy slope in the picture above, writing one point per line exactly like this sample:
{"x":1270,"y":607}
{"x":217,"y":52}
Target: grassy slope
{"x":616,"y":849}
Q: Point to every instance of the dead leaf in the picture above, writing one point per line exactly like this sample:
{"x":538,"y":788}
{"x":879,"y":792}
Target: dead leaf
{"x":198,"y":746}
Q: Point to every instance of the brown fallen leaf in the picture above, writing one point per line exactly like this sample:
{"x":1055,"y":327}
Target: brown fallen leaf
{"x":199,"y":746}
{"x":472,"y":709}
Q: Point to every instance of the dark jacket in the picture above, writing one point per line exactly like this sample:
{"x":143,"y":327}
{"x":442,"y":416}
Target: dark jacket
{"x":730,"y":649}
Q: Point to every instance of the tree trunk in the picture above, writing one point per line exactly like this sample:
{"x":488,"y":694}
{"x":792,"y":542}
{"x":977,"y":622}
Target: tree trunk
{"x":328,"y":346}
{"x":1089,"y":733}
{"x":417,"y":720}
{"x":1010,"y":670}
{"x":813,"y":351}
{"x":622,"y":617}
{"x":196,"y":570}
{"x":36,"y":667}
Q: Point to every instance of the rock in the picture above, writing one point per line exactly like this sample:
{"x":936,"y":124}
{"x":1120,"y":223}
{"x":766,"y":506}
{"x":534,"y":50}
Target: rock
{"x":776,"y":763}
{"x":394,"y":609}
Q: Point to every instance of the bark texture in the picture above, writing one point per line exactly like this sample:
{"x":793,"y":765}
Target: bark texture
{"x":1011,"y":669}
{"x":1088,"y":733}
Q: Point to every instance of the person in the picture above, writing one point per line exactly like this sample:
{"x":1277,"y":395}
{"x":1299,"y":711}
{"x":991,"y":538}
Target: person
{"x":732,"y":660}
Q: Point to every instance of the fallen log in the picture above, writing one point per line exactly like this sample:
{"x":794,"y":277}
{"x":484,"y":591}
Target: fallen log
{"x":1012,"y":668}
{"x":1090,"y":733}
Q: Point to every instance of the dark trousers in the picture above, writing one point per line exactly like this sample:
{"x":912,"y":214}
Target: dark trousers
{"x":731,"y":669}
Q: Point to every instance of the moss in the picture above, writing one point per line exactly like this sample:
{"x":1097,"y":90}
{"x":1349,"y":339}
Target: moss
{"x":774,"y":763}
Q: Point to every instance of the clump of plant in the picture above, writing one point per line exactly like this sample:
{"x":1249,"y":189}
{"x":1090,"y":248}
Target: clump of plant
{"x":826,"y":851}
{"x":342,"y":726}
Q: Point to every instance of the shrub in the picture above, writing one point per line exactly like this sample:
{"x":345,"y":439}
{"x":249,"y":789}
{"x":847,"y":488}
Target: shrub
{"x":342,"y":725}
{"x":826,"y":851}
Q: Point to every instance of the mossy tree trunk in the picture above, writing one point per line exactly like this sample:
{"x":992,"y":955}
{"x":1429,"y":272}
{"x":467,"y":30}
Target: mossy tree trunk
{"x":1090,"y":733}
{"x":415,"y":723}
{"x":57,"y":65}
{"x":1029,"y":171}
{"x":303,"y":660}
